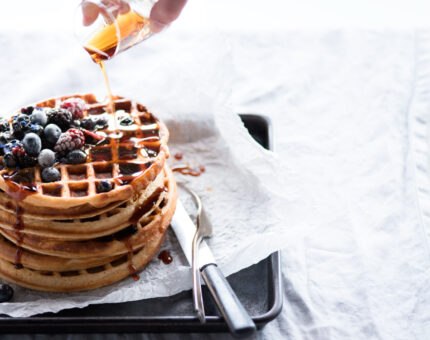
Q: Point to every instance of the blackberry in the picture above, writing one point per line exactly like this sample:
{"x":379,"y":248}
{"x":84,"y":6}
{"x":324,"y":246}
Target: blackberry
{"x":46,"y":158}
{"x":104,"y":186}
{"x":32,"y":144}
{"x":70,"y":140}
{"x":88,"y":124}
{"x":4,"y":125}
{"x":60,"y":117}
{"x":9,"y":160}
{"x":76,"y":157}
{"x":27,"y":110}
{"x":50,"y":175}
{"x":20,"y":125}
{"x":6,"y":293}
{"x":27,"y":161}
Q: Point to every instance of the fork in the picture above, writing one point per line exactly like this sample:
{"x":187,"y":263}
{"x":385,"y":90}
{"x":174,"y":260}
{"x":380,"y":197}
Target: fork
{"x":203,"y":230}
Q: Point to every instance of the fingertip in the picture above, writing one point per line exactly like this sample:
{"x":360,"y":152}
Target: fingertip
{"x":156,"y":26}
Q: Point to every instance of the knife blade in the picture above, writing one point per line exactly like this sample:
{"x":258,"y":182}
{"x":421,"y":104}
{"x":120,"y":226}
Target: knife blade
{"x":184,"y":229}
{"x":235,"y":315}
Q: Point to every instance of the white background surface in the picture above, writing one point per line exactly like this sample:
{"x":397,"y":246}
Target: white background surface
{"x":340,"y":81}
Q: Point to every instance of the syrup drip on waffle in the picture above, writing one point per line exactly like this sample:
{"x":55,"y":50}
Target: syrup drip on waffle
{"x":131,"y":267}
{"x":19,"y":187}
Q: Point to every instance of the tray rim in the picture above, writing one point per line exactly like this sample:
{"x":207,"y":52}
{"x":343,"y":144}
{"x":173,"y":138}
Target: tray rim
{"x":213,"y":324}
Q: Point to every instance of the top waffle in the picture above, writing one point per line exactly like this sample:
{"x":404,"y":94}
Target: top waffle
{"x":128,"y":156}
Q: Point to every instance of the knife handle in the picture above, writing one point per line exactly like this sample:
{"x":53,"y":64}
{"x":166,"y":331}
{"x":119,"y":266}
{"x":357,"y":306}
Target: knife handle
{"x":238,"y":320}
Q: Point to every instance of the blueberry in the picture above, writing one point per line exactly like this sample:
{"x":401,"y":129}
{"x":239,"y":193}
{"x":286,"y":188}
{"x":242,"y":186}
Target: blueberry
{"x":6,"y":293}
{"x":88,"y":124}
{"x":76,"y":123}
{"x":102,"y":122}
{"x":46,"y":158}
{"x":50,"y":175}
{"x":76,"y":157}
{"x":52,"y":133}
{"x":9,"y":160}
{"x":104,"y":186}
{"x":126,"y":121}
{"x":39,"y":117}
{"x":32,"y":144}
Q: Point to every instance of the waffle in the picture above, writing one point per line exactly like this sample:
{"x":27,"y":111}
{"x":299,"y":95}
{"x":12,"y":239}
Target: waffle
{"x":66,"y":235}
{"x":98,"y":223}
{"x":128,"y":166}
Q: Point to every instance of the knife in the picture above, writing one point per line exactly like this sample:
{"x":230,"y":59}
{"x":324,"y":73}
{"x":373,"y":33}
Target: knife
{"x":235,"y":315}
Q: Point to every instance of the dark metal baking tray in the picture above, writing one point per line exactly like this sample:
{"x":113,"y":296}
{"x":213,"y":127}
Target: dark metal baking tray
{"x":258,"y":287}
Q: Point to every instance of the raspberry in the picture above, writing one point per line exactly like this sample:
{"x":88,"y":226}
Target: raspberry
{"x":60,"y":117}
{"x":72,"y":139}
{"x":18,"y":151}
{"x":75,"y":105}
{"x":23,"y":159}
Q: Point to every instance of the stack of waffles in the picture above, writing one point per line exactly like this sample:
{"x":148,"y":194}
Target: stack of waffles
{"x":67,"y":235}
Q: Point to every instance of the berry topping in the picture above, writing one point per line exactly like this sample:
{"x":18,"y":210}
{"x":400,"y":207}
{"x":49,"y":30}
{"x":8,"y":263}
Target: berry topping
{"x":88,"y":123}
{"x":39,"y":117}
{"x":104,"y":186}
{"x":18,"y":150}
{"x":20,"y":125}
{"x":126,"y":121}
{"x":32,"y":144}
{"x":91,"y":137}
{"x":37,"y":129}
{"x":76,"y":157}
{"x":76,"y":106}
{"x":46,"y":158}
{"x":50,"y":175}
{"x":60,"y":117}
{"x":4,"y":125}
{"x":22,"y":158}
{"x":4,"y":140}
{"x":27,"y":110}
{"x":6,"y":293}
{"x":52,"y":133}
{"x":70,"y":140}
{"x":102,"y":122}
{"x":9,"y":160}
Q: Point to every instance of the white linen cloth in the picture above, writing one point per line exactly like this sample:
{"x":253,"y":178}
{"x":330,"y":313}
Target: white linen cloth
{"x":347,"y":107}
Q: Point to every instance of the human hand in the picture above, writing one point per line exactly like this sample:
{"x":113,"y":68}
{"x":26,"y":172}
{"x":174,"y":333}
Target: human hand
{"x":162,"y":13}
